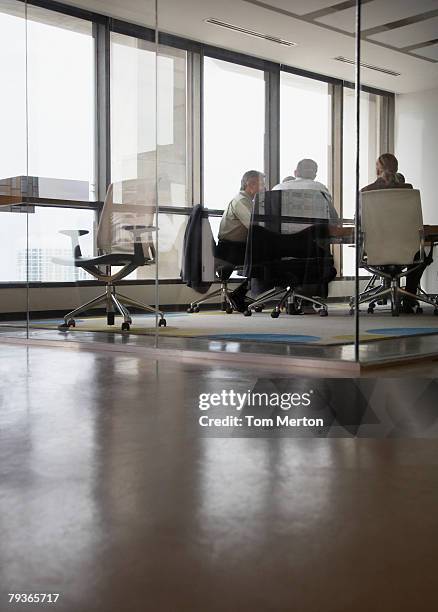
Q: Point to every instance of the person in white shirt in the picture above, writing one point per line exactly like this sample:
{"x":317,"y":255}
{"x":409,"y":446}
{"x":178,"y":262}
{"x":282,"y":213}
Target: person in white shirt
{"x":305,"y":175}
{"x":304,"y":180}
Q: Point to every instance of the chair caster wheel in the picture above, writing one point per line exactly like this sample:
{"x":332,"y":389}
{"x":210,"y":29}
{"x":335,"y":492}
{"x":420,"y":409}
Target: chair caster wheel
{"x":229,"y":310}
{"x":419,"y":310}
{"x":110,"y":317}
{"x":163,"y":322}
{"x":258,"y":309}
{"x":126,"y":326}
{"x":275,"y":314}
{"x":323,"y":312}
{"x":370,"y":310}
{"x":66,"y":325}
{"x":247,"y":312}
{"x":190,"y":310}
{"x":292,"y":309}
{"x":351,"y":312}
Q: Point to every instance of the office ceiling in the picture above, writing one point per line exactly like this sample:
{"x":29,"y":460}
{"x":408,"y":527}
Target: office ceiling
{"x":398,"y":35}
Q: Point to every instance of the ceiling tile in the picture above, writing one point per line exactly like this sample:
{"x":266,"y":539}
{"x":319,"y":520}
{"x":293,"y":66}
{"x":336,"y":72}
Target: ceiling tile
{"x":301,"y":7}
{"x":431,"y":52}
{"x":378,"y":13}
{"x":416,"y":33}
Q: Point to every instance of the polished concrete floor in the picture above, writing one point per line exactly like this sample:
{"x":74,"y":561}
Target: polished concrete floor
{"x":110,"y":496}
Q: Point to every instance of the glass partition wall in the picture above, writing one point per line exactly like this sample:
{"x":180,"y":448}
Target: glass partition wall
{"x":91,"y":141}
{"x":277,"y":109}
{"x":399,"y":54}
{"x":13,"y":169}
{"x":115,"y":135}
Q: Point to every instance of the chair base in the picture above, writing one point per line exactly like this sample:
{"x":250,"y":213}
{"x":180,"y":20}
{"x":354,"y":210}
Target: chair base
{"x":115,"y":304}
{"x":223,"y":292}
{"x":393,"y":293}
{"x":287,"y":296}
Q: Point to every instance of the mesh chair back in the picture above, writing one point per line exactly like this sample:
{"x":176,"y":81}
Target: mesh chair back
{"x":288,"y":238}
{"x":391,"y":222}
{"x":130,"y":202}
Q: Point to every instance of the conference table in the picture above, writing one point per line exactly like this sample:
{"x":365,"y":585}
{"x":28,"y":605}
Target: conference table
{"x":344,"y":234}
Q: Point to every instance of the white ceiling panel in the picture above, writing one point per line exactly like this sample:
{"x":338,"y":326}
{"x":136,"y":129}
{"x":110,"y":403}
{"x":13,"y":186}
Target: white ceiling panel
{"x":378,"y":13}
{"x":416,"y":33}
{"x":431,"y":51}
{"x":301,"y":7}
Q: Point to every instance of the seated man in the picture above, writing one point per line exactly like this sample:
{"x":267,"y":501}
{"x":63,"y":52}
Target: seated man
{"x":233,"y":229}
{"x":305,"y":175}
{"x":388,"y":177}
{"x":304,"y":179}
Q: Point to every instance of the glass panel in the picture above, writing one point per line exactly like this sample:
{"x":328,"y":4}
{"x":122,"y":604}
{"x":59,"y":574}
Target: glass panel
{"x":61,"y":91}
{"x":303,"y":97}
{"x":133,"y":129}
{"x":78,"y":252}
{"x":264,"y":120}
{"x":49,"y":247}
{"x":13,"y":169}
{"x":369,"y":143}
{"x":394,"y":323}
{"x":234,"y":128}
{"x":173,"y":125}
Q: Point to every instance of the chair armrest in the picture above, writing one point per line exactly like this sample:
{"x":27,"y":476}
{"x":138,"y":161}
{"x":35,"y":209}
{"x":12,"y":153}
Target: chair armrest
{"x":74,"y":233}
{"x":74,"y":236}
{"x":138,"y":230}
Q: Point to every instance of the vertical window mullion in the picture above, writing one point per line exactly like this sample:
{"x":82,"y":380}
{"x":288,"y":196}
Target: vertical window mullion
{"x":337,"y":105}
{"x":103,"y":124}
{"x":194,"y":132}
{"x":272,"y":126}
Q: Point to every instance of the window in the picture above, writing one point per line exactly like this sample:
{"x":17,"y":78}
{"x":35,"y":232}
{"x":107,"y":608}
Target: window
{"x":13,"y":99}
{"x":54,"y":144}
{"x":369,"y":145}
{"x":136,"y":128}
{"x":61,"y":104}
{"x":369,"y":151}
{"x":133,"y":124}
{"x":305,"y":125}
{"x":234,"y":128}
{"x":174,"y":146}
{"x":46,"y":246}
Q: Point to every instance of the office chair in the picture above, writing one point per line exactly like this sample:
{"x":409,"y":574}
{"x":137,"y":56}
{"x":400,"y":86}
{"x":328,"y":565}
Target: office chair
{"x":391,"y":244}
{"x":222,"y":270}
{"x":291,"y":292}
{"x":373,"y":286}
{"x":125,"y":239}
{"x":291,"y":217}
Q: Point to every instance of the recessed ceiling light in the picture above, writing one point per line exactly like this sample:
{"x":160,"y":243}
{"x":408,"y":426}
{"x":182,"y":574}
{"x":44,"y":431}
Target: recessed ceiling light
{"x":236,"y":28}
{"x":346,"y":60}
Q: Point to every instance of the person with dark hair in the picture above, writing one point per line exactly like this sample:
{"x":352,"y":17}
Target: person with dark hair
{"x":388,"y":177}
{"x":304,"y":178}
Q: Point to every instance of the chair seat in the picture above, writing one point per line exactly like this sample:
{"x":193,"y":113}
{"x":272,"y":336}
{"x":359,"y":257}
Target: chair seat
{"x":111,"y":259}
